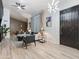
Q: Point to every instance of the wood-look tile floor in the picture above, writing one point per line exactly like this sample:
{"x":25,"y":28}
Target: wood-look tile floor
{"x":48,"y":50}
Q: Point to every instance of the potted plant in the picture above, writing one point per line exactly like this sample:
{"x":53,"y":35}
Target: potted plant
{"x":5,"y":30}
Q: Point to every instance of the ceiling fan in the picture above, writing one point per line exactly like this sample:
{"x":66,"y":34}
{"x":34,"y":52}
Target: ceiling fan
{"x":19,"y":5}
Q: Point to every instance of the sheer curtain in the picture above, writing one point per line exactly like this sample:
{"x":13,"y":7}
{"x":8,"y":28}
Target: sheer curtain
{"x":36,"y":23}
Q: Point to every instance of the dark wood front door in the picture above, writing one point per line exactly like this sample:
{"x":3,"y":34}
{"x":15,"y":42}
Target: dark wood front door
{"x":69,"y":27}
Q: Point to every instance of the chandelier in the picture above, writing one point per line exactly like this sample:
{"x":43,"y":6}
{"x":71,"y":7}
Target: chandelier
{"x":53,"y":7}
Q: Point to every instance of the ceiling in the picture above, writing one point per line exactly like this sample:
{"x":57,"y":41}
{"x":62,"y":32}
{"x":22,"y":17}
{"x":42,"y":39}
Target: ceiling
{"x":32,"y":7}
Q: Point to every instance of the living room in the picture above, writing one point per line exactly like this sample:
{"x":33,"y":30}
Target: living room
{"x":52,"y":27}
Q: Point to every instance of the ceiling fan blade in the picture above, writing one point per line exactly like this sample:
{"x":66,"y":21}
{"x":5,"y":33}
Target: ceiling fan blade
{"x":17,"y":3}
{"x":14,"y":5}
{"x":22,"y":5}
{"x":22,"y":8}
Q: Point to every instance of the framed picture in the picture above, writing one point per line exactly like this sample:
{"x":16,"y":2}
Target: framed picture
{"x":49,"y":21}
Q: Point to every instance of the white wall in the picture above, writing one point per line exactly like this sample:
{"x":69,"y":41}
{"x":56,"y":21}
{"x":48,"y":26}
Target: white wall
{"x":53,"y":33}
{"x":68,"y":3}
